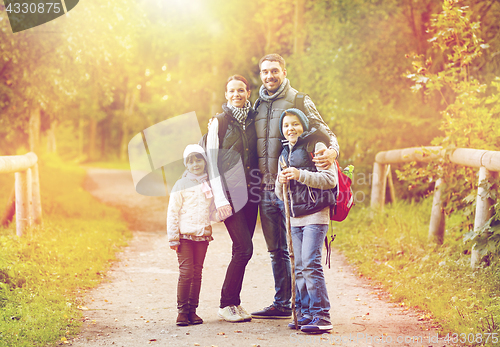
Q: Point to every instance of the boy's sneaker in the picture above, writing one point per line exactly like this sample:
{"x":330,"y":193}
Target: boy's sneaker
{"x":243,"y":313}
{"x":300,"y":322}
{"x":230,"y":314}
{"x":273,"y":312}
{"x":317,"y":325}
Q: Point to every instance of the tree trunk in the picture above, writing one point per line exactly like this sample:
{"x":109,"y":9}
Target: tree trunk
{"x":92,"y":138}
{"x":298,"y":27}
{"x":128,"y":109}
{"x":81,"y":135}
{"x":34,"y":130}
{"x":214,"y":106}
{"x":51,"y":137}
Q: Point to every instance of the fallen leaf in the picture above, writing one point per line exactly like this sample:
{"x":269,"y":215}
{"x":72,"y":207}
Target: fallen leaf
{"x":152,"y":340}
{"x":221,"y":333}
{"x":238,"y":331}
{"x":196,"y":344}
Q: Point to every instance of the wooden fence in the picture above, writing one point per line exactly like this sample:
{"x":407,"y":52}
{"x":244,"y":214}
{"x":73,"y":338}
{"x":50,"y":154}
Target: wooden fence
{"x":27,"y":189}
{"x":487,"y":162}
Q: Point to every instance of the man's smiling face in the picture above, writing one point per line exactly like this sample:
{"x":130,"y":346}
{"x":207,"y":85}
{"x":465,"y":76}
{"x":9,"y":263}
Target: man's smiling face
{"x":272,"y":75}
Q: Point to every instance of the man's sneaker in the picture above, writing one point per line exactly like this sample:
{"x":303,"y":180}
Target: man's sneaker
{"x":230,"y":314}
{"x":317,"y":325}
{"x":243,"y":313}
{"x":300,"y":322}
{"x":273,"y":312}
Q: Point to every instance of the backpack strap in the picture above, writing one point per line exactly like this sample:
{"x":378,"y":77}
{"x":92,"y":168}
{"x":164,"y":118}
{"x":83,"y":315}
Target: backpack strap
{"x":328,"y":245}
{"x":223,"y":124}
{"x":298,"y":102}
{"x":257,"y":104}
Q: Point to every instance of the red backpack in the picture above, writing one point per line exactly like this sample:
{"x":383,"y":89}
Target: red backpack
{"x":339,"y":210}
{"x":345,"y":199}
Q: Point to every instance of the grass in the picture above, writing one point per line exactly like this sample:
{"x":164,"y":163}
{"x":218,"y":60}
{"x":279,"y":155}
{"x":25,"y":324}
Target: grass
{"x":392,"y":249}
{"x":44,"y":273}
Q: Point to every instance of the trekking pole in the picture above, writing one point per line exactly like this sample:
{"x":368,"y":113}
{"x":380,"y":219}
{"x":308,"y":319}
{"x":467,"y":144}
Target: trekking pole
{"x":290,"y":244}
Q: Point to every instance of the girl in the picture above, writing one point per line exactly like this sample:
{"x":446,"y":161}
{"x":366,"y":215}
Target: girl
{"x":239,"y":210}
{"x":190,"y":210}
{"x":310,"y":196}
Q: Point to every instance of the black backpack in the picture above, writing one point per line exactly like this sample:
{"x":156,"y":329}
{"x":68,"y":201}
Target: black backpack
{"x":223,"y":123}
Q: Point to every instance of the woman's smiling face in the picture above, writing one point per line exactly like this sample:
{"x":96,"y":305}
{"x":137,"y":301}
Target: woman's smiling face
{"x":237,"y":93}
{"x":292,"y":128}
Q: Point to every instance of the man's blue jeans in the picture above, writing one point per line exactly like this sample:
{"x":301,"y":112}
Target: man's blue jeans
{"x":311,"y":299}
{"x":272,"y":218}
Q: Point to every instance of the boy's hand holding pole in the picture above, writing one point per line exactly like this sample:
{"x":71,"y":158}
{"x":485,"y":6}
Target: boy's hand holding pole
{"x":287,"y":174}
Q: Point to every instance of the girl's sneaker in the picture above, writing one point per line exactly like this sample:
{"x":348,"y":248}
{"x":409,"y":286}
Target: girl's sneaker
{"x":317,"y":325}
{"x":243,"y":313}
{"x":230,"y":314}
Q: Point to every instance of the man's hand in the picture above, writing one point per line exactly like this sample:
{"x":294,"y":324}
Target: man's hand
{"x":224,"y":212}
{"x":175,"y":248}
{"x":288,"y":174}
{"x":324,"y":158}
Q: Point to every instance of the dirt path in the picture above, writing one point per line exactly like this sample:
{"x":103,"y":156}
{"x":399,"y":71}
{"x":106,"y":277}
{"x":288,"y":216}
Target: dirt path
{"x":136,"y":306}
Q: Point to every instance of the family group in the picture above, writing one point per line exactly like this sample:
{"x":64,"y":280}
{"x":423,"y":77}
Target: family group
{"x":283,"y":126}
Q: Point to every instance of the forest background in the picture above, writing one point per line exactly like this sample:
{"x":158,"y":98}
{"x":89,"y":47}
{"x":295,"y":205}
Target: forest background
{"x":383,"y":74}
{"x":86,"y":83}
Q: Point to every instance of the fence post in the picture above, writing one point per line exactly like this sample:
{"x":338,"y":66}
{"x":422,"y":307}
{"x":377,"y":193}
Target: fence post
{"x":23,"y":198}
{"x":37,"y":205}
{"x":437,"y":223}
{"x":390,"y":183}
{"x":377,"y":199}
{"x":483,"y":213}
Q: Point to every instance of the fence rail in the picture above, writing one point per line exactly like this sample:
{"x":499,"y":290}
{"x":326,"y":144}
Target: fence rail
{"x":487,"y":162}
{"x":27,"y":189}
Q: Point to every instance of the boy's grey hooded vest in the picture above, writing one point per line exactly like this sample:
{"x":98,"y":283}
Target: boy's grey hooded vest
{"x":267,"y":126}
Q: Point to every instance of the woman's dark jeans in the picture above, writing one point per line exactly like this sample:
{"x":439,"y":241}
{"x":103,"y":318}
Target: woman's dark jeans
{"x":191,"y":255}
{"x":241,"y":227}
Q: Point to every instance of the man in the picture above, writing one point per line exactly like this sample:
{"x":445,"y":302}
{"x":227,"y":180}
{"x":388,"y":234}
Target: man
{"x":275,"y":96}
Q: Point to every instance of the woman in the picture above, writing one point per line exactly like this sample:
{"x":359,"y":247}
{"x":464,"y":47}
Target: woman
{"x":233,"y":163}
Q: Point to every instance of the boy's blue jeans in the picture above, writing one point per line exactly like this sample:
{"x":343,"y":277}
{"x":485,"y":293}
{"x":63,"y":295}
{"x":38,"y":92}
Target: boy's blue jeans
{"x":272,"y":218}
{"x":311,"y":295}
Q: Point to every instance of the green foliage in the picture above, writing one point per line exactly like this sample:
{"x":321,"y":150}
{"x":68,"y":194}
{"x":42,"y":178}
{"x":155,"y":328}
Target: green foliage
{"x":392,"y":249}
{"x":44,"y":273}
{"x":470,"y":119}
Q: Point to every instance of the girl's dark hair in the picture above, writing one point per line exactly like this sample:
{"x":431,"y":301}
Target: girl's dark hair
{"x":197,"y":155}
{"x":238,"y":78}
